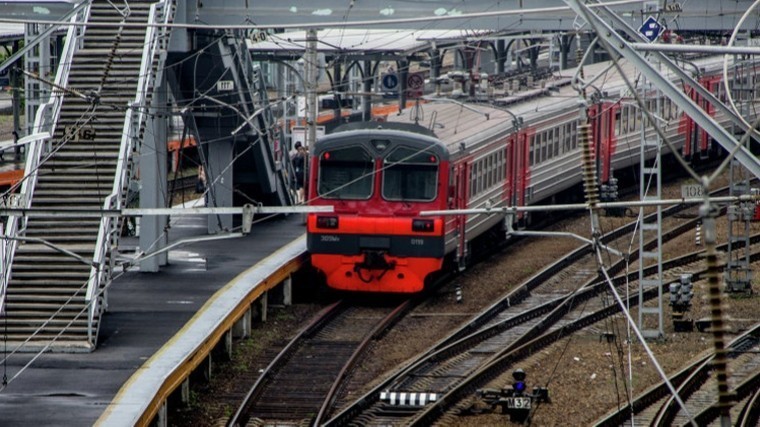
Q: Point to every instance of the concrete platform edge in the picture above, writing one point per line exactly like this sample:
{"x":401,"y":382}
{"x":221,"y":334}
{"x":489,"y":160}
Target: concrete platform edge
{"x":129,"y":406}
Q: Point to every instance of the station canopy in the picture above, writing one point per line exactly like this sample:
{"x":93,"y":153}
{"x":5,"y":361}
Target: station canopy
{"x":362,"y":42}
{"x":9,"y":32}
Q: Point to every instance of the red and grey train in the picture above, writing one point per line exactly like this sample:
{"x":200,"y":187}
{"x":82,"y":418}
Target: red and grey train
{"x":379,"y":176}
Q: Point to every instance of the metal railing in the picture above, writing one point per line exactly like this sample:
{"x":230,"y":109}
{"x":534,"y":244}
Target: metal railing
{"x":156,"y":43}
{"x":254,"y":79}
{"x":44,"y":123}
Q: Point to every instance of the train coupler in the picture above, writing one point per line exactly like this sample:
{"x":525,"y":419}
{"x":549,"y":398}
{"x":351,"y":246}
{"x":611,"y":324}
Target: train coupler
{"x":374,"y":260}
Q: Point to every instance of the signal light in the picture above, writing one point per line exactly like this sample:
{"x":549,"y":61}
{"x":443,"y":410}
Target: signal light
{"x":423,"y":225}
{"x":327,"y":222}
{"x":326,"y":156}
{"x":519,"y":385}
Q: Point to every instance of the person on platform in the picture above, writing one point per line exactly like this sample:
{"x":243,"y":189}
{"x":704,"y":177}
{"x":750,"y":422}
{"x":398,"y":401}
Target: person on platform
{"x":299,"y":170}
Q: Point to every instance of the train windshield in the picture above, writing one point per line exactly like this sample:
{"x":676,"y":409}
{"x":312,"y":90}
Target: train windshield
{"x":346,"y":173}
{"x":410,"y":175}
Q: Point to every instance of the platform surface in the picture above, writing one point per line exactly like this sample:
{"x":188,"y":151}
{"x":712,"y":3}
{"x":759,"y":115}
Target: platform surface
{"x":145,"y":311}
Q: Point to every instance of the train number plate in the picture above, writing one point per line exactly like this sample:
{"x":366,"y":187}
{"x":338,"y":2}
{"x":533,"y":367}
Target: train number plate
{"x":518,"y":402}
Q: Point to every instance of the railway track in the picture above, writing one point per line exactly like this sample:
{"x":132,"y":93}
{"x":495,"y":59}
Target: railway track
{"x":301,"y":383}
{"x":696,"y":387}
{"x":533,"y":311}
{"x":300,"y":387}
{"x":573,"y":318}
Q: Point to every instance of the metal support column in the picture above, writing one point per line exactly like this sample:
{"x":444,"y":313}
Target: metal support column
{"x":36,"y":61}
{"x":311,"y":87}
{"x":501,"y":55}
{"x":290,"y":109}
{"x":369,"y":78}
{"x":651,"y":189}
{"x":337,"y":88}
{"x":738,"y":273}
{"x":153,"y":170}
{"x":15,"y":80}
{"x":403,"y":73}
{"x":219,"y":177}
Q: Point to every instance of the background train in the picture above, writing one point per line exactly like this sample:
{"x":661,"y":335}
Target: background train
{"x":519,"y":150}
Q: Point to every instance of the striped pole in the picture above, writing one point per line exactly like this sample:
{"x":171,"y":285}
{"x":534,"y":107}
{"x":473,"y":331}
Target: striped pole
{"x":698,"y":237}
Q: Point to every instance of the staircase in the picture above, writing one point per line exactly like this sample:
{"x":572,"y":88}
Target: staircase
{"x":259,"y":170}
{"x":62,"y":263}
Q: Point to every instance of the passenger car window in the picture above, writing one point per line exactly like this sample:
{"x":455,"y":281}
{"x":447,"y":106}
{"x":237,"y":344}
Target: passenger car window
{"x":346,"y":173}
{"x":410,"y":174}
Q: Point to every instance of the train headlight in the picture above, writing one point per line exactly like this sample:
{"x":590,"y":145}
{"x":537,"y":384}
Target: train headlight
{"x":327,"y":222}
{"x":423,"y":225}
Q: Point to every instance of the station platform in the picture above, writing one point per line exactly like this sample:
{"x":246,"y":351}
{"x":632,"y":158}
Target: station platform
{"x":145,"y":311}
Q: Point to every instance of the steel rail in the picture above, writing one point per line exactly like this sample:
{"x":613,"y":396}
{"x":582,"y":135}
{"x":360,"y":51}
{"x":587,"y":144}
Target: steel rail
{"x":504,"y":359}
{"x":323,"y":322}
{"x":748,"y":387}
{"x":510,"y":356}
{"x":750,"y":414}
{"x":540,"y":330}
{"x":472,"y":334}
{"x":378,"y":330}
{"x":696,"y":370}
{"x":316,"y":323}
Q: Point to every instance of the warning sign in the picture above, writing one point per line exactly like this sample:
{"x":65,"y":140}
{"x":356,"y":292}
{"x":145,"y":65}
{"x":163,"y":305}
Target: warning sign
{"x":415,"y":83}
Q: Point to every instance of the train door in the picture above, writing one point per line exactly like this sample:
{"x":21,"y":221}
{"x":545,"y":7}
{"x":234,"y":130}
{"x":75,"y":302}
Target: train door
{"x":687,"y":127}
{"x":711,"y":84}
{"x":461,"y":189}
{"x":603,"y":122}
{"x":509,"y":179}
{"x":696,"y":139}
{"x":522,"y":168}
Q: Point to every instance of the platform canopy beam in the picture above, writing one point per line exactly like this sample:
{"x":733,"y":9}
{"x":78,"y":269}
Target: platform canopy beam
{"x":516,"y":15}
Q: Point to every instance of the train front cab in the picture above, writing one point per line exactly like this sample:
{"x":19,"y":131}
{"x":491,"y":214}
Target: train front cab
{"x":375,"y":241}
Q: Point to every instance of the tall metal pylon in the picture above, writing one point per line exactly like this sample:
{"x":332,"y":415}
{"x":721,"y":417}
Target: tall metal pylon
{"x":738,"y":274}
{"x":651,"y":189}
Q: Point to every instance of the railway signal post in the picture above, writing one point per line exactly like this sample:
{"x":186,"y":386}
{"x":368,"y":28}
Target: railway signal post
{"x":515,"y":400}
{"x":681,"y":293}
